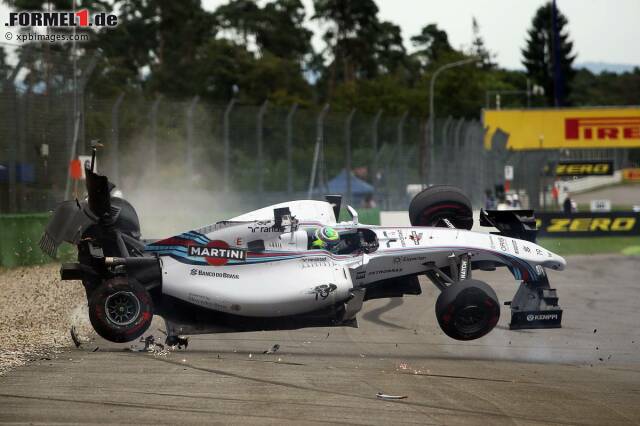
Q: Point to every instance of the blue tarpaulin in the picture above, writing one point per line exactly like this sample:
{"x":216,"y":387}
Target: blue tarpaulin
{"x":338,"y":185}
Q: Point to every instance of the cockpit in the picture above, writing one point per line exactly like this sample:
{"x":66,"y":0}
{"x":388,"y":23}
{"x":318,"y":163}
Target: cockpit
{"x":351,"y":241}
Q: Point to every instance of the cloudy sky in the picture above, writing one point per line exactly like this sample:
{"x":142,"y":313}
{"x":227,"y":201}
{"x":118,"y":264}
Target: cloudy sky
{"x":602,"y":30}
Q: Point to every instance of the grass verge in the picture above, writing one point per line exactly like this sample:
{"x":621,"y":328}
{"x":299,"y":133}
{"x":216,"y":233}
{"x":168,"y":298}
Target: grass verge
{"x":596,"y":245}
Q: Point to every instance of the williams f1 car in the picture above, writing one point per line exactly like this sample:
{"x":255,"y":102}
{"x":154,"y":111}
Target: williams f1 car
{"x":262,"y":270}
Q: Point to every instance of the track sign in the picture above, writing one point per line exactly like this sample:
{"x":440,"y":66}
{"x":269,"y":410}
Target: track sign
{"x":75,"y":169}
{"x":600,"y":205}
{"x":508,"y":172}
{"x":584,"y":168}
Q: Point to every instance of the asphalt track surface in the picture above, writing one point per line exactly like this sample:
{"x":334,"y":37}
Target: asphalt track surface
{"x":586,"y":373}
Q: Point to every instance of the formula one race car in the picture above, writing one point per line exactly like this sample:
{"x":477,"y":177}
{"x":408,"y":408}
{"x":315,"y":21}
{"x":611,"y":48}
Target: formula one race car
{"x":264,"y":271}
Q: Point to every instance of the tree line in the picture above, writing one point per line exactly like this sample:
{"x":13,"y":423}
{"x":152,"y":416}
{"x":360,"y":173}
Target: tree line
{"x":257,"y":51}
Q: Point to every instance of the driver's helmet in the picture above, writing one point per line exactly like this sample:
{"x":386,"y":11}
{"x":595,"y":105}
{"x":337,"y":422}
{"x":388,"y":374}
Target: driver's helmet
{"x":325,"y":237}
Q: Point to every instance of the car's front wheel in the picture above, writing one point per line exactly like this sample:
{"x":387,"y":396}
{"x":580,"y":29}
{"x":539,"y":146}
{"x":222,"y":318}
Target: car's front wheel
{"x":119,"y":310}
{"x":467,"y":309}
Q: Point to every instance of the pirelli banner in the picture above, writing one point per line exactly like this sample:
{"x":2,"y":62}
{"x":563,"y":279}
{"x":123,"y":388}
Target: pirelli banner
{"x":584,"y":168}
{"x":610,"y":224}
{"x":565,"y":128}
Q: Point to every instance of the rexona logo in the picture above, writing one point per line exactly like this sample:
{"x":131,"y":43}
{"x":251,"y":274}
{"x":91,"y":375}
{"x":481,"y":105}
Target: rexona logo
{"x":602,"y":128}
{"x":80,"y":18}
{"x":217,"y":253}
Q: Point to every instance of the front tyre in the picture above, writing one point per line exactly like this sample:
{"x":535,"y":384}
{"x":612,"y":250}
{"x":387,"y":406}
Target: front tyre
{"x":467,"y":310}
{"x":120,"y":311}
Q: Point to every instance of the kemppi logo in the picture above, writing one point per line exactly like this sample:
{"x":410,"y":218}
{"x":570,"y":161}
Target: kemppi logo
{"x":541,"y":317}
{"x":602,"y":128}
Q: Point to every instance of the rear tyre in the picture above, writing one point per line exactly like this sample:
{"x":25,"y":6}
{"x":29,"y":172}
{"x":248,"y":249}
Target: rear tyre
{"x":467,"y":310}
{"x":120,"y":311}
{"x":430,"y":206}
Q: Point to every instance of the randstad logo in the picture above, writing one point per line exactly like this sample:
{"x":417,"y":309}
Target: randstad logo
{"x":80,"y":18}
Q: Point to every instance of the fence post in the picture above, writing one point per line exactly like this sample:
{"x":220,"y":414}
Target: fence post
{"x":430,"y":149}
{"x":115,"y":137}
{"x":260,"y":159}
{"x":190,"y":113}
{"x":347,"y":148}
{"x":12,"y":147}
{"x":289,"y":125}
{"x":374,"y":143}
{"x":401,"y":160}
{"x":227,"y":143}
{"x":318,"y":147}
{"x":153,"y":117}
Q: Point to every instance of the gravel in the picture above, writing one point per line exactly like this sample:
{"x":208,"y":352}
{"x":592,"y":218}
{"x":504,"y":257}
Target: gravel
{"x":37,"y":311}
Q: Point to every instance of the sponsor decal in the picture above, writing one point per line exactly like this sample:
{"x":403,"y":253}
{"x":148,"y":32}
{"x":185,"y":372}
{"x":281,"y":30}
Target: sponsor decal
{"x":631,"y":175}
{"x":408,"y":259}
{"x":584,"y":168}
{"x":323,"y":291}
{"x":402,"y":241}
{"x":564,"y":128}
{"x":61,"y":19}
{"x":493,"y":244}
{"x":360,"y":275}
{"x":212,"y":274}
{"x":602,"y":128}
{"x":415,"y":237}
{"x":239,"y":241}
{"x":206,"y":301}
{"x":310,"y":262}
{"x":589,"y":224}
{"x":264,"y":227}
{"x":386,"y":271}
{"x":503,"y":244}
{"x":541,"y":317}
{"x":464,"y":268}
{"x":515,"y":247}
{"x":390,"y":240}
{"x":217,"y":253}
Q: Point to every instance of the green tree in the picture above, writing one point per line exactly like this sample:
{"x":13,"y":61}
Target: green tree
{"x":349,"y":48}
{"x":431,"y":45}
{"x":539,"y":53}
{"x":478,"y":48}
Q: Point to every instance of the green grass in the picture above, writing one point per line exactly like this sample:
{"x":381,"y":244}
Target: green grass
{"x":595,"y":245}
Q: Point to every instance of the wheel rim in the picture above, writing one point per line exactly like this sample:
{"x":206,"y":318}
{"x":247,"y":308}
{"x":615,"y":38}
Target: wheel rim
{"x":470,"y":319}
{"x":122,"y":308}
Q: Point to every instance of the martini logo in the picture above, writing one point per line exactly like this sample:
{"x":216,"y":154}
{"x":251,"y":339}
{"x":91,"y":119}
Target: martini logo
{"x":602,"y":128}
{"x":217,"y":253}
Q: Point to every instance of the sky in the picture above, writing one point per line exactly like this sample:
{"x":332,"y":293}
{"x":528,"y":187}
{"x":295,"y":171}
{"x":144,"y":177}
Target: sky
{"x":602,"y":30}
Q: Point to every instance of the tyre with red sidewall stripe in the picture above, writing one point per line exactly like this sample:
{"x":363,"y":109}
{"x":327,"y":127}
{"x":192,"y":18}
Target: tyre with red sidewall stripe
{"x":120,"y":311}
{"x":438,"y":202}
{"x":467,"y":309}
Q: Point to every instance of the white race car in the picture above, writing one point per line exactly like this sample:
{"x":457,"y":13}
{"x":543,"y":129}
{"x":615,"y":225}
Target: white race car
{"x":265,"y":271}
